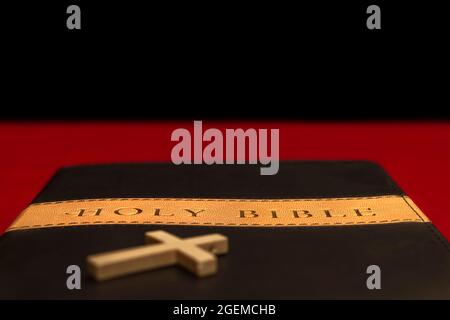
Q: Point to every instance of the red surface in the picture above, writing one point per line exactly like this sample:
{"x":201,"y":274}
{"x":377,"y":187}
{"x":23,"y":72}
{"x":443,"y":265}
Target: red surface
{"x":416,"y":155}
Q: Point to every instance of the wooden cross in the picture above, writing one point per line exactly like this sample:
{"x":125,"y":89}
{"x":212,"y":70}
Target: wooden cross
{"x":196,"y":254}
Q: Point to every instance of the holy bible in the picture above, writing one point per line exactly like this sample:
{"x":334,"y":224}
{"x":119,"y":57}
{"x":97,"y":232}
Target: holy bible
{"x":315,"y":230}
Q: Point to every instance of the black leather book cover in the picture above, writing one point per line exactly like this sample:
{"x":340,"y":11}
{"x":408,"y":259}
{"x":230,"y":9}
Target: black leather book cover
{"x":310,"y":231}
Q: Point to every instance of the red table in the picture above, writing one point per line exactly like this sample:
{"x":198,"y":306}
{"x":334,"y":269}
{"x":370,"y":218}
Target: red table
{"x":416,"y":155}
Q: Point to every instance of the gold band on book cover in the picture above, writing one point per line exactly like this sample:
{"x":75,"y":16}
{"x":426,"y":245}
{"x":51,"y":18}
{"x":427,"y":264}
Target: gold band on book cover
{"x":222,"y":212}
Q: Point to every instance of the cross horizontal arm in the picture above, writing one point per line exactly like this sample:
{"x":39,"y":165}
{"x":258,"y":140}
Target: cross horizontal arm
{"x":215,"y":243}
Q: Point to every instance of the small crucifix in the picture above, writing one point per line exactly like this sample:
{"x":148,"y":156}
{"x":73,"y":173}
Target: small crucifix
{"x":196,"y":254}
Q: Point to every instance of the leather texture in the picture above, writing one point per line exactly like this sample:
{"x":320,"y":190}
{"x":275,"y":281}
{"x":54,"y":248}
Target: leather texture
{"x":263,"y":263}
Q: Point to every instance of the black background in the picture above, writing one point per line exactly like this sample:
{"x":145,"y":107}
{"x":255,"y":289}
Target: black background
{"x":222,"y":59}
